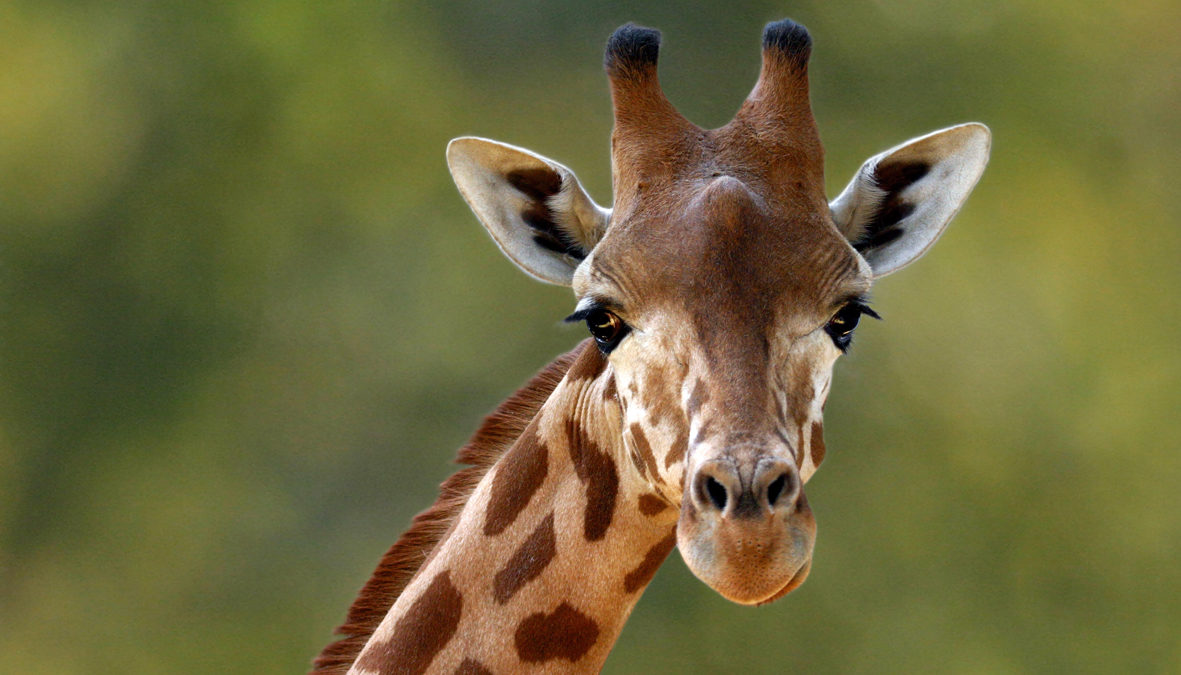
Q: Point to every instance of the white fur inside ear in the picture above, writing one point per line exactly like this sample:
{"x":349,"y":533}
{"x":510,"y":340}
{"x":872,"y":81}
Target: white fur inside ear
{"x":578,"y":214}
{"x":902,"y":200}
{"x":857,"y":203}
{"x":532,"y":206}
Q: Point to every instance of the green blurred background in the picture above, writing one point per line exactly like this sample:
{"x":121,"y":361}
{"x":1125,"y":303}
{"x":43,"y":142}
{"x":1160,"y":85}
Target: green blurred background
{"x":246,"y":320}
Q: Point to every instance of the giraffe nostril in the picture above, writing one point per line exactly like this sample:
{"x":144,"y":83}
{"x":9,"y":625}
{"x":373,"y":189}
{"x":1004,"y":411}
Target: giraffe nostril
{"x":716,"y":492}
{"x":775,"y":489}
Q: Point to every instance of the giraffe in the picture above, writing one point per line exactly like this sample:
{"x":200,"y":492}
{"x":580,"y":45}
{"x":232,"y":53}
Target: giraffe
{"x":718,"y":291}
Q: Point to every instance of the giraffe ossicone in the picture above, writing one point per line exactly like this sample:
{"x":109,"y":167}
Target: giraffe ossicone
{"x":719,"y":290}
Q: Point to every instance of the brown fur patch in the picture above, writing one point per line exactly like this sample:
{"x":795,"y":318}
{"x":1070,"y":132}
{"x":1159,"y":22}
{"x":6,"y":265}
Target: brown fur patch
{"x":702,"y":432}
{"x":421,"y":633}
{"x":660,"y":400}
{"x":651,"y":505}
{"x":610,"y":393}
{"x":638,"y":463}
{"x":518,"y":475}
{"x":538,"y":185}
{"x":697,"y":398}
{"x":472,"y":667}
{"x":530,"y":559}
{"x":597,"y":471}
{"x":588,"y":366}
{"x":818,"y":449}
{"x":680,"y":446}
{"x":565,"y":634}
{"x":399,"y":565}
{"x":645,"y":450}
{"x":643,"y":573}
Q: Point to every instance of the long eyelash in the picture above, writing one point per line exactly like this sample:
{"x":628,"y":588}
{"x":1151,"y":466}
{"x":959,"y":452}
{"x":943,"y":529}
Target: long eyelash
{"x":861,"y":303}
{"x":581,"y":314}
{"x":866,"y":309}
{"x":588,"y":306}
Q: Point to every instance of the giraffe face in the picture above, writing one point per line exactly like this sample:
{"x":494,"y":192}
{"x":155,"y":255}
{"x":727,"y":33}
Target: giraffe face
{"x":723,"y":287}
{"x":722,"y":324}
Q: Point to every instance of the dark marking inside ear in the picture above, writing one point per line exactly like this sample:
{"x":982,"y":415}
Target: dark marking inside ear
{"x":565,"y":634}
{"x":536,"y":184}
{"x":631,"y":48}
{"x":539,"y":185}
{"x":421,"y":633}
{"x":893,"y":178}
{"x":897,"y":176}
{"x":790,"y":38}
{"x":877,"y":239}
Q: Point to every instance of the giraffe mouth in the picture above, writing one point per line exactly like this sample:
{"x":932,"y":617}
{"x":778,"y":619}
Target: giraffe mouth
{"x":792,"y":584}
{"x":750,"y":561}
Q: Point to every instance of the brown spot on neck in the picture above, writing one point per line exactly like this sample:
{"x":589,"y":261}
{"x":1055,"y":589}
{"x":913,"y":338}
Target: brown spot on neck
{"x":642,"y":575}
{"x":679,"y":447}
{"x":519,"y":474}
{"x":530,"y":559}
{"x":651,"y":505}
{"x":598,"y":473}
{"x":421,"y":633}
{"x":610,"y":393}
{"x":818,"y":449}
{"x":565,"y":634}
{"x":645,"y":450}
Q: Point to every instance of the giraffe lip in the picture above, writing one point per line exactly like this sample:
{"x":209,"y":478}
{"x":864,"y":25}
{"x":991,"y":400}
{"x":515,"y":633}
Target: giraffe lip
{"x":749,"y":566}
{"x":798,"y":578}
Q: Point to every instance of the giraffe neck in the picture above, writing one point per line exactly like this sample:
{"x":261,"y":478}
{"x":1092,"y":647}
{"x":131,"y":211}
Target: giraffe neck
{"x":545,"y":561}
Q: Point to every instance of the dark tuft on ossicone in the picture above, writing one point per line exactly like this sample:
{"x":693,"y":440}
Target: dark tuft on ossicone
{"x":630,"y":48}
{"x":790,"y":38}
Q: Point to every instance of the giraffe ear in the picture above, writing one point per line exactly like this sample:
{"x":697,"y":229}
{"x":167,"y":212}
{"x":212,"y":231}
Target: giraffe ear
{"x":534,"y":208}
{"x":901,"y":200}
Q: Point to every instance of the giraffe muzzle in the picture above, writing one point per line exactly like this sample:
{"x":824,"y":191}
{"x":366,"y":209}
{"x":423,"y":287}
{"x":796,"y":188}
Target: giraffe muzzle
{"x":745,"y":527}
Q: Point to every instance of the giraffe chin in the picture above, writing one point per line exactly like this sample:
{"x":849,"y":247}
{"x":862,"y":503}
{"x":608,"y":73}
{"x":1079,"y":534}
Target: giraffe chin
{"x":749,"y":561}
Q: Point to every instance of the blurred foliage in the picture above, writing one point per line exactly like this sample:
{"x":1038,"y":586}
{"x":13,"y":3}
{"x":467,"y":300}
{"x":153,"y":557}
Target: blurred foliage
{"x":245,"y":320}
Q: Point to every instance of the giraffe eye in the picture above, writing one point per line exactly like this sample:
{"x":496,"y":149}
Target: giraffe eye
{"x":606,"y":328}
{"x":840,"y":326}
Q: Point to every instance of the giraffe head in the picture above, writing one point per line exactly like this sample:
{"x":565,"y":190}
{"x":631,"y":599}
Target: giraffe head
{"x":722,"y":286}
